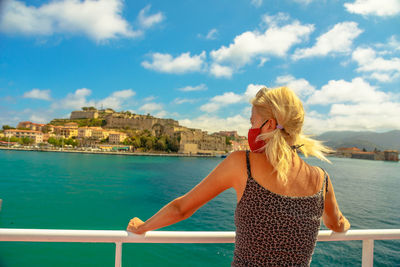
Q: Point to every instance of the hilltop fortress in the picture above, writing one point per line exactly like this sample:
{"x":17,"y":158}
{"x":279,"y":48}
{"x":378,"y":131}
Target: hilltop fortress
{"x":191,"y":141}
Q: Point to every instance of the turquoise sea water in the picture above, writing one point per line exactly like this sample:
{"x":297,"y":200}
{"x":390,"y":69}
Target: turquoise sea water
{"x":50,"y":190}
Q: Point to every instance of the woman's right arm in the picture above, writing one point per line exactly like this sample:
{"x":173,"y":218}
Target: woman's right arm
{"x":333,"y":217}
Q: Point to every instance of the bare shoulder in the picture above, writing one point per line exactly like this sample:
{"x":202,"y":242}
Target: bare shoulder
{"x":237,"y":155}
{"x":235,"y":162}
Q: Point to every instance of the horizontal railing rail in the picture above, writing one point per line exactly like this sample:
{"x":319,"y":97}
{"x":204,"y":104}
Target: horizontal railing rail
{"x":119,"y":237}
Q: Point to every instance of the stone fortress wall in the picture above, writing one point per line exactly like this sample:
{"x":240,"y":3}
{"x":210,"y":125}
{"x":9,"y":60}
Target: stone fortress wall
{"x":191,"y":141}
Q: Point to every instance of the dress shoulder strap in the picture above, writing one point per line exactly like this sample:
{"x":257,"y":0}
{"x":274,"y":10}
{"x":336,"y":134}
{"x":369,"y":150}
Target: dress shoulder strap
{"x":325,"y":180}
{"x":248,"y":164}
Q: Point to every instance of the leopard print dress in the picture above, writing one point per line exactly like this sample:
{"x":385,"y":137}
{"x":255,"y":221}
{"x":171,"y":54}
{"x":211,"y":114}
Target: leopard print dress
{"x":273,"y":229}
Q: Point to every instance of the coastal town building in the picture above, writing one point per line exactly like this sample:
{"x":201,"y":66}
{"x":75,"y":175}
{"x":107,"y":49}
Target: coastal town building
{"x":116,"y":137}
{"x":232,"y":134}
{"x":391,"y":155}
{"x":139,"y":122}
{"x":242,"y":144}
{"x":48,"y":128}
{"x":99,"y":133}
{"x":346,"y":152}
{"x":195,"y":141}
{"x":356,"y":153}
{"x":368,"y":155}
{"x":84,"y":132}
{"x":190,"y":140}
{"x":31,"y":126}
{"x":69,"y":130}
{"x":84,"y":114}
{"x":35,"y":135}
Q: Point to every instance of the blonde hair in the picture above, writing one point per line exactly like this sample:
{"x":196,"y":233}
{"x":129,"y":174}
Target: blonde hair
{"x":286,"y":108}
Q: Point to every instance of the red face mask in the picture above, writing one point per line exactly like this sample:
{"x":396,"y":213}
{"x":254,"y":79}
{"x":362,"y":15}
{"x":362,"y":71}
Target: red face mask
{"x":251,"y":137}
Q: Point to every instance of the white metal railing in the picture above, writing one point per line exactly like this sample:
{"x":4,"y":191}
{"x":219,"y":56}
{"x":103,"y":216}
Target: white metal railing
{"x":119,"y":237}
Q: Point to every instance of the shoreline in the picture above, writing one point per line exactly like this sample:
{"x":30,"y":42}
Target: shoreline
{"x":110,"y":153}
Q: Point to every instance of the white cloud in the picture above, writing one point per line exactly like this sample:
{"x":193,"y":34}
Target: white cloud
{"x":161,"y":114}
{"x":79,"y":99}
{"x":183,"y":100}
{"x":355,"y":117}
{"x":99,"y":20}
{"x":182,"y":64}
{"x":394,"y":43}
{"x":39,"y":119}
{"x":38,"y":94}
{"x":251,"y":91}
{"x":304,"y":2}
{"x":151,"y":107}
{"x":300,"y":86}
{"x":356,"y":91}
{"x":384,"y":70}
{"x":221,"y":100}
{"x":200,"y":87}
{"x":262,"y":61}
{"x":148,"y":21}
{"x":116,"y":99}
{"x":216,"y":124}
{"x":230,"y":98}
{"x":256,"y":3}
{"x":227,"y":98}
{"x":75,"y":100}
{"x":220,"y":71}
{"x":212,"y":34}
{"x":276,"y":40}
{"x":274,"y":20}
{"x":391,"y":46}
{"x":337,"y":40}
{"x":149,"y":98}
{"x":374,"y":7}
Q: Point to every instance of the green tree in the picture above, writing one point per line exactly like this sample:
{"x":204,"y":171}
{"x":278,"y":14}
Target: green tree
{"x":53,"y":141}
{"x":173,"y":144}
{"x":71,"y":142}
{"x":228,"y":140}
{"x":136,"y":142}
{"x":127,"y":142}
{"x":161,"y":144}
{"x":26,"y":141}
{"x":6,"y":127}
{"x":14,"y":139}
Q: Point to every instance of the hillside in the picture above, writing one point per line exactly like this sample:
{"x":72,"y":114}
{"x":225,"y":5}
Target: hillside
{"x":367,"y":140}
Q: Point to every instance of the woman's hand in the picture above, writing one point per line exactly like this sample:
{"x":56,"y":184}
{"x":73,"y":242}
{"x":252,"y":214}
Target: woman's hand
{"x":346,"y":224}
{"x":136,"y":226}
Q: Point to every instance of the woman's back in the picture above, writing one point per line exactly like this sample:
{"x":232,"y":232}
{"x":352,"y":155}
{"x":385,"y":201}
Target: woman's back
{"x":274,"y":229}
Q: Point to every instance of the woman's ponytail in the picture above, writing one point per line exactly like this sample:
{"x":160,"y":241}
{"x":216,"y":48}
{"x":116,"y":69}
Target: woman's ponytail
{"x":285,"y":107}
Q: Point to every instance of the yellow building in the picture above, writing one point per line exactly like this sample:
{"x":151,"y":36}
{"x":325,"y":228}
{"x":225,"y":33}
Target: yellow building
{"x":35,"y":135}
{"x":116,"y":137}
{"x":84,"y":132}
{"x":99,"y":133}
{"x":69,"y":130}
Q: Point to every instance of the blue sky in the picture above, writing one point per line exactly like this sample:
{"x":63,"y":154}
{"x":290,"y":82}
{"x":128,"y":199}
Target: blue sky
{"x":199,"y":62}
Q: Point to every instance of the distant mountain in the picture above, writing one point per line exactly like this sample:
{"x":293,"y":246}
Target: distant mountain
{"x":367,"y":140}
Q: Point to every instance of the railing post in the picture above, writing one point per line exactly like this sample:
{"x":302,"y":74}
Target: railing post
{"x":118,"y":254}
{"x":368,"y":253}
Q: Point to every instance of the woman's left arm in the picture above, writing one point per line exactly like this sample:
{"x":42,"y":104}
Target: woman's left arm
{"x":181,"y":208}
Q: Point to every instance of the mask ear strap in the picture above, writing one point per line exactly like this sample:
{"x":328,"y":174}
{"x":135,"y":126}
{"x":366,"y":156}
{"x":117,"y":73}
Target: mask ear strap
{"x":263,"y":124}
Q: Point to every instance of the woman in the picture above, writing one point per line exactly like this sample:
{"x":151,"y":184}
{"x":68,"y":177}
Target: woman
{"x":280,"y":198}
